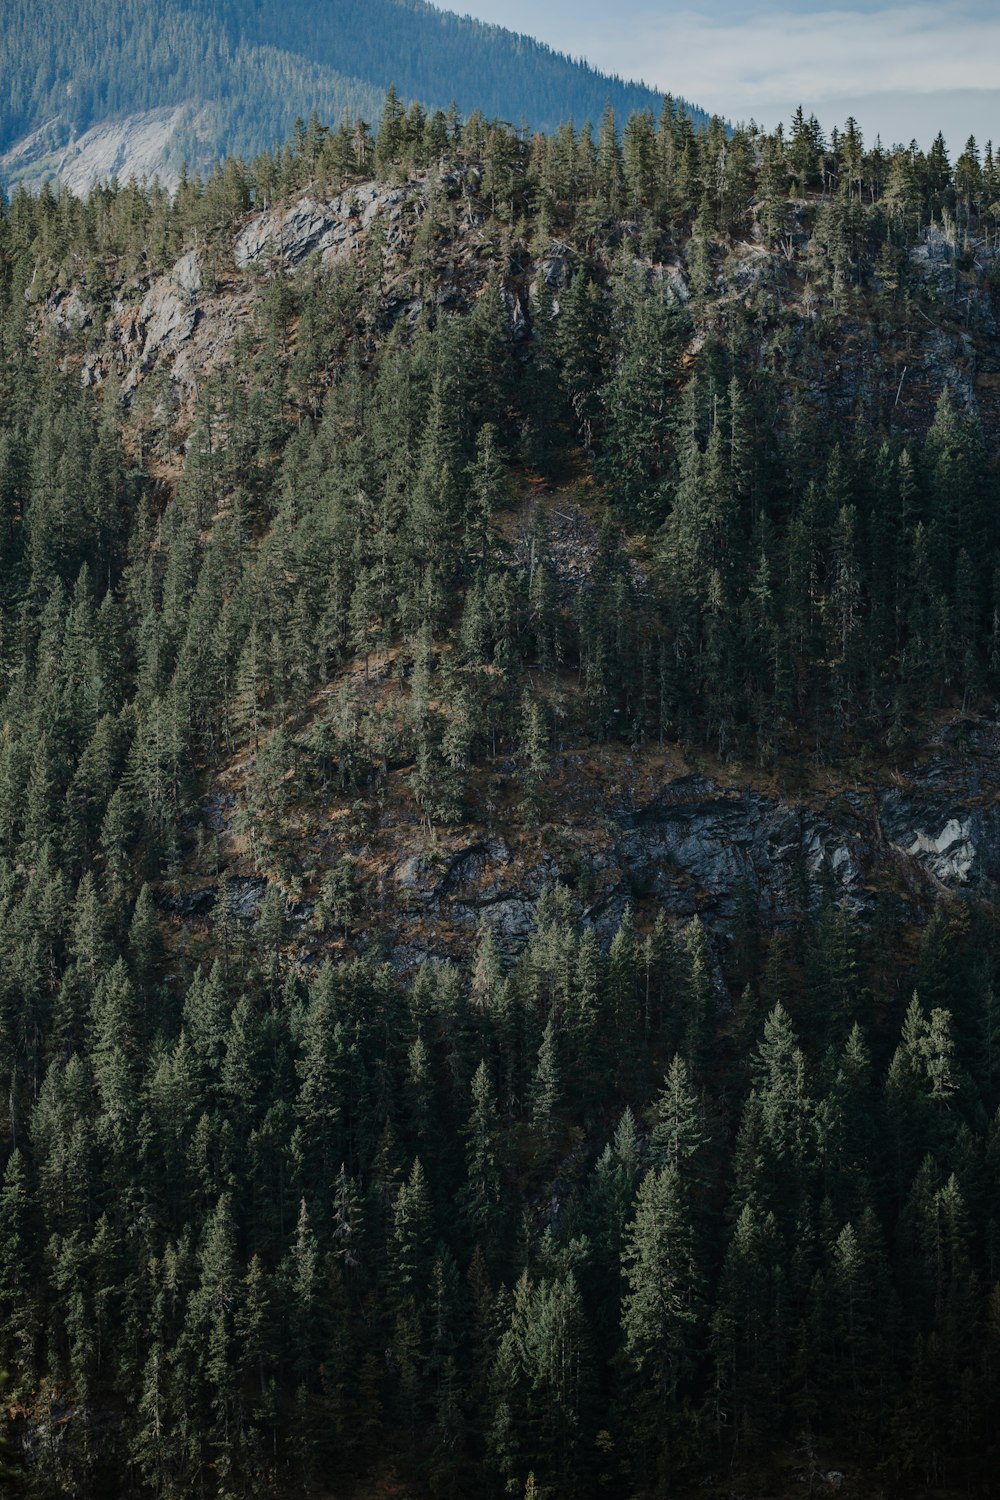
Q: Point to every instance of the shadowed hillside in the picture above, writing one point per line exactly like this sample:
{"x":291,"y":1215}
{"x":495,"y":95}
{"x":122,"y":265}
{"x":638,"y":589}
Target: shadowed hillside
{"x":499,"y":833}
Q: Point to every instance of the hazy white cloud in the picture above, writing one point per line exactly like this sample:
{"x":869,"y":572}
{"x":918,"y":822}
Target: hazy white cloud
{"x":737,"y":64}
{"x":908,"y":68}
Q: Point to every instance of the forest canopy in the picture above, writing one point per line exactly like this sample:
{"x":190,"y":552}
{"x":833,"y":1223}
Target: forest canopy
{"x":620,"y":1206}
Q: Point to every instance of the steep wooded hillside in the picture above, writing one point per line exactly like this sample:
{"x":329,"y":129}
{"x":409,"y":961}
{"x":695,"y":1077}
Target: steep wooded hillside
{"x":499,"y":840}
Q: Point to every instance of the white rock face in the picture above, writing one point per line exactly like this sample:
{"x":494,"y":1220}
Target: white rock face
{"x":950,"y":854}
{"x":168,"y":312}
{"x":170,"y":323}
{"x":133,"y":146}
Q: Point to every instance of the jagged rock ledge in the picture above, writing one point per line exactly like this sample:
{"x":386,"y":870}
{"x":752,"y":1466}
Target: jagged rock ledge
{"x":688,"y":851}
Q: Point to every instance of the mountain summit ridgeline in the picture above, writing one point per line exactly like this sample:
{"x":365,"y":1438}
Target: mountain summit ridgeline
{"x":111,"y":87}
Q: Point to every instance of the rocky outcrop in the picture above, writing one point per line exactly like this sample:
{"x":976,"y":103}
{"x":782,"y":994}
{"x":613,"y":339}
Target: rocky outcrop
{"x":191,"y":320}
{"x":481,"y":884}
{"x":690,"y":848}
{"x":192,"y":323}
{"x":245,"y":895}
{"x":333,"y":230}
{"x":698,"y":844}
{"x":174,"y":322}
{"x":168,"y":319}
{"x":951,"y":855}
{"x":186,"y":274}
{"x":68,"y":312}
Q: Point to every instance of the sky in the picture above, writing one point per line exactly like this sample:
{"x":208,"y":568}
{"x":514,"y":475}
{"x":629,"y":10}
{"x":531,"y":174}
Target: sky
{"x":904,"y":71}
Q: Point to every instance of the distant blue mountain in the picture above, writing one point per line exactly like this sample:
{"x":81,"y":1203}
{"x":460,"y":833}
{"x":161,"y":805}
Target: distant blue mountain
{"x":246,"y":68}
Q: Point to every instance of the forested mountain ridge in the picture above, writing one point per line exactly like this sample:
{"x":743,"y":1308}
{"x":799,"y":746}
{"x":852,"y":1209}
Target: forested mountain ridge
{"x":498,"y":818}
{"x":117,"y":87}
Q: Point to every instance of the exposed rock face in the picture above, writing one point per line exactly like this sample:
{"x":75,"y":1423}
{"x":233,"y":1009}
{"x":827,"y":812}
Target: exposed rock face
{"x":951,"y":855}
{"x":177,"y":318}
{"x":168,"y":319}
{"x":480,"y":885}
{"x":186,"y":274}
{"x":937,"y":257}
{"x":930,"y":833}
{"x":333,"y":230}
{"x":36,"y":156}
{"x":136,"y":145}
{"x":690,"y":848}
{"x":957,"y":845}
{"x":246,"y":896}
{"x":191,"y":320}
{"x":68,"y":311}
{"x":175,"y":322}
{"x":694,"y":857}
{"x":169,"y":313}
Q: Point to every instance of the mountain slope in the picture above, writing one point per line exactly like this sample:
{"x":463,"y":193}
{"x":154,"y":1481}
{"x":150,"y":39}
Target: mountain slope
{"x":499,"y":841}
{"x":243,"y":71}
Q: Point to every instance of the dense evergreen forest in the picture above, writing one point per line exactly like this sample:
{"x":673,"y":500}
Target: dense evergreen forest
{"x":667,"y":1210}
{"x":247,"y":68}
